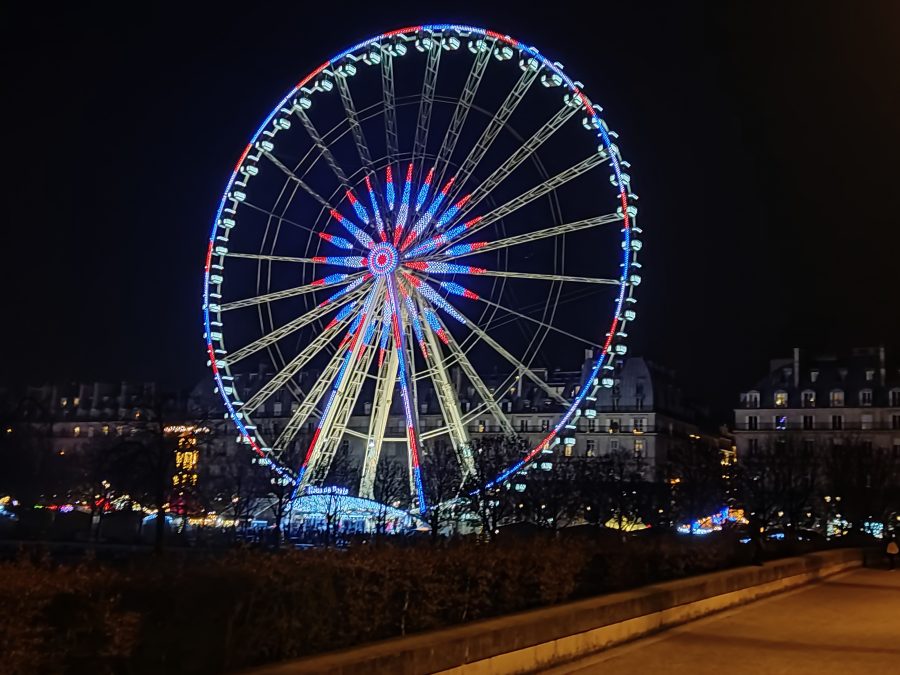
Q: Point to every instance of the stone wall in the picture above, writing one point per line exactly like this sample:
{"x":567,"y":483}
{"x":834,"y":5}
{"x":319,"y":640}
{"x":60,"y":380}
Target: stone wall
{"x":528,"y":641}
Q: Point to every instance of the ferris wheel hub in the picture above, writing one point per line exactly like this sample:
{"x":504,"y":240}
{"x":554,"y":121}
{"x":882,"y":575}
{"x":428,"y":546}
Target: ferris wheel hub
{"x":383,"y":259}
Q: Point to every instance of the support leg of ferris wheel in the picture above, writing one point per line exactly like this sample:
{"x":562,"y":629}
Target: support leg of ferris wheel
{"x":334,"y":428}
{"x":449,"y":401}
{"x":381,"y":410}
{"x":410,"y":342}
{"x":340,"y":408}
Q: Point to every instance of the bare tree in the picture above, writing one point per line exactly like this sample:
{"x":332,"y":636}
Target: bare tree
{"x":486,"y":498}
{"x":694,"y":474}
{"x":552,"y":498}
{"x":778,"y":483}
{"x":865,"y":480}
{"x":390,"y":489}
{"x":440,"y":482}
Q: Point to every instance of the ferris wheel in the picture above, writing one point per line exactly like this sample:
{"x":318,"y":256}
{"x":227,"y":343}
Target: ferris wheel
{"x":426,"y":216}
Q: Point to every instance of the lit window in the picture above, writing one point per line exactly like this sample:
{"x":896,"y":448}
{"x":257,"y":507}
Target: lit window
{"x":752,"y":422}
{"x":76,"y":401}
{"x":639,"y":447}
{"x":865,"y":397}
{"x":567,"y":451}
{"x":781,"y":422}
{"x":781,"y":399}
{"x":808,"y":399}
{"x":63,"y":402}
{"x":76,"y":431}
{"x":106,"y":430}
{"x":639,"y":423}
{"x":837,"y":422}
{"x":836,"y":398}
{"x":591,"y":446}
{"x":545,"y":425}
{"x":482,"y":425}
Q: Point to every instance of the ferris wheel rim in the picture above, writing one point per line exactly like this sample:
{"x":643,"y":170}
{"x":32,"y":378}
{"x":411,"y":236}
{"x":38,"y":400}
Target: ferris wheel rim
{"x":626,"y":282}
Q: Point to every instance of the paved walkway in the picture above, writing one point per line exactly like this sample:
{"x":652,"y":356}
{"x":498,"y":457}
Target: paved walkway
{"x":846,"y":624}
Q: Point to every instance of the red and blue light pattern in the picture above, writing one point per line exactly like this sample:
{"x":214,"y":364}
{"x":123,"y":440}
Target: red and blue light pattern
{"x":390,"y":227}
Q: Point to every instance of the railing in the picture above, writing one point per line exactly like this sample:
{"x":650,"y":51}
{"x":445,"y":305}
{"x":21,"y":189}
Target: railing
{"x":821,"y":425}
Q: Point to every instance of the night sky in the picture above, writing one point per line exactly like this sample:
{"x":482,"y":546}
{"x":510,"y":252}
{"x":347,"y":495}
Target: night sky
{"x":764,"y":144}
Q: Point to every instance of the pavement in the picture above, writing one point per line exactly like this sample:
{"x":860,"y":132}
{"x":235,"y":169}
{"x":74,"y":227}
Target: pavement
{"x":846,"y":624}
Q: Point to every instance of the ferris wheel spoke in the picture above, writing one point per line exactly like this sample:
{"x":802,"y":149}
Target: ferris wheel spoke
{"x":498,"y":121}
{"x":467,"y":249}
{"x":409,"y":413}
{"x":292,"y":326}
{"x":543,"y":324}
{"x":294,"y":177}
{"x":426,"y":103}
{"x":272,"y":258}
{"x":299,"y":417}
{"x":339,"y":405}
{"x":518,"y":157}
{"x":447,"y":396}
{"x":326,"y":282}
{"x":279,"y":218}
{"x":520,"y":367}
{"x":461,"y":112}
{"x":536,"y":192}
{"x":356,"y":129}
{"x":477,"y":383}
{"x":283,"y":376}
{"x":336,"y":417}
{"x":322,"y":147}
{"x":390,"y":109}
{"x":386,"y":382}
{"x":545,"y":277}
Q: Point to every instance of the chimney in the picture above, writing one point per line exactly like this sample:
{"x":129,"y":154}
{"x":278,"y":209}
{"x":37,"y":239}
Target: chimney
{"x":796,"y":367}
{"x":882,"y":370}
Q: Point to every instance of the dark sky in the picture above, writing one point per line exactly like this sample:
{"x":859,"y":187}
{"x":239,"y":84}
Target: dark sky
{"x":764,"y":142}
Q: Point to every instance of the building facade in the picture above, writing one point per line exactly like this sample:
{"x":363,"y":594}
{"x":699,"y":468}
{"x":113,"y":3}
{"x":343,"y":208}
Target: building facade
{"x":645,"y":413}
{"x":851,"y":399}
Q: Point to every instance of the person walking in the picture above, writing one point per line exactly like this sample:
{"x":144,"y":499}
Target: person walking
{"x":892,"y":550}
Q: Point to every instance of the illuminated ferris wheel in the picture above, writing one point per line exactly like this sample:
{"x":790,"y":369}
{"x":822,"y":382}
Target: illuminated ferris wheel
{"x":428,"y":214}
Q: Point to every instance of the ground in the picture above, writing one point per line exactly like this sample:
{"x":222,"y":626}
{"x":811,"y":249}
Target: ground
{"x":849,"y":623}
